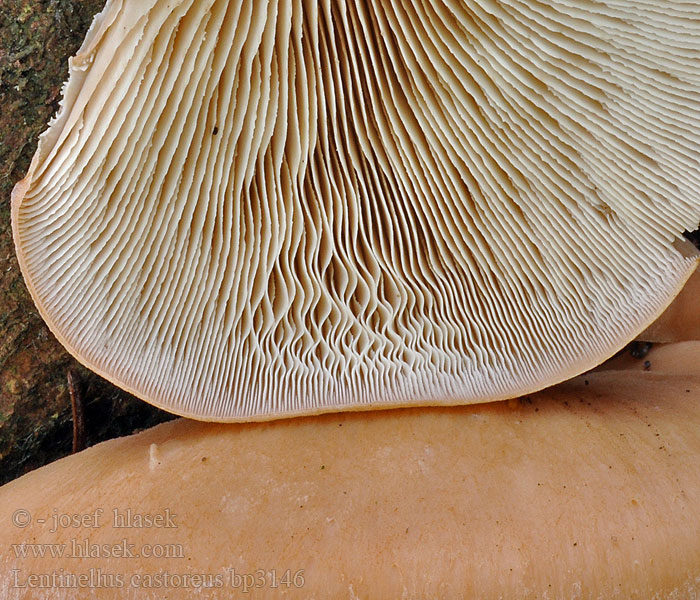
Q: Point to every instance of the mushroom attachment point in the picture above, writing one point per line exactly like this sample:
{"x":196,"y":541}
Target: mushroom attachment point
{"x":251,"y":209}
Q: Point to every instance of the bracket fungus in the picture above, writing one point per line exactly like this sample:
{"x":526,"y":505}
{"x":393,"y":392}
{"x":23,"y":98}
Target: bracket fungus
{"x":248,"y":209}
{"x":587,"y":490}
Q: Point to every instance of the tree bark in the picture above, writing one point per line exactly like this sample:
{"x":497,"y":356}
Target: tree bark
{"x":36,"y":39}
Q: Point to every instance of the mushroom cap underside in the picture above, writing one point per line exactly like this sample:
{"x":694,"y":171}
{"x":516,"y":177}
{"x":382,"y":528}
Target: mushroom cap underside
{"x":247,"y":210}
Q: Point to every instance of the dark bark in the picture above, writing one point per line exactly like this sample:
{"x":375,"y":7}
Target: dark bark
{"x":36,"y":39}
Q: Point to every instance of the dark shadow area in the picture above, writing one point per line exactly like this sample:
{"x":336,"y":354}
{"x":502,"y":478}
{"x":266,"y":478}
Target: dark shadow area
{"x":36,"y":39}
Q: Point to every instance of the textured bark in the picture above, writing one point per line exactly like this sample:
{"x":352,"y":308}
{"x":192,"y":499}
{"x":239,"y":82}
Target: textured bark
{"x":36,"y":39}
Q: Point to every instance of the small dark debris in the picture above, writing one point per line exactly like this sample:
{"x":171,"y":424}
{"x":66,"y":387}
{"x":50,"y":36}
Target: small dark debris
{"x":216,"y":130}
{"x":78,"y":409}
{"x":647,"y":365}
{"x":640,"y":349}
{"x":693,"y":236}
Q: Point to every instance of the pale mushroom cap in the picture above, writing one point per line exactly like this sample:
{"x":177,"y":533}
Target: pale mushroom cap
{"x":250,"y":209}
{"x":588,"y":490}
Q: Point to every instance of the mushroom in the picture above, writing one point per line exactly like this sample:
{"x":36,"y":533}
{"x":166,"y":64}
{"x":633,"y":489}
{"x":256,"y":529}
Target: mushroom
{"x":251,"y":209}
{"x":681,"y":320}
{"x":586,"y":490}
